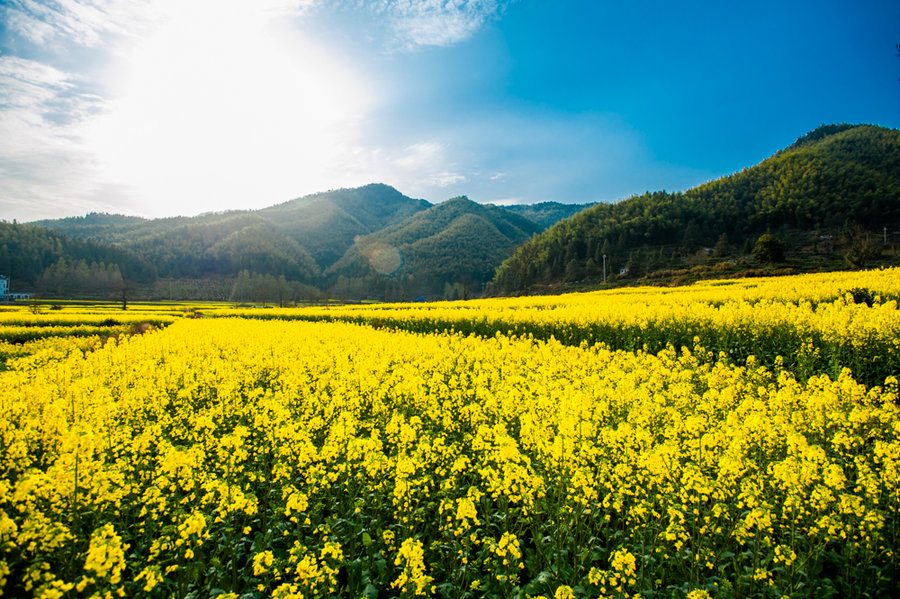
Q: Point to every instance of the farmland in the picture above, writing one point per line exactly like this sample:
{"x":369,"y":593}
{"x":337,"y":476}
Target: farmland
{"x":728,"y":439}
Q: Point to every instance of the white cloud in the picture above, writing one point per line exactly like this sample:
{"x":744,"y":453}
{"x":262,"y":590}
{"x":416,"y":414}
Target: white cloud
{"x":445,"y":179}
{"x":28,"y":82}
{"x":91,"y":23}
{"x":87,"y":23}
{"x":440,"y":23}
{"x":43,"y":96}
{"x":412,"y":24}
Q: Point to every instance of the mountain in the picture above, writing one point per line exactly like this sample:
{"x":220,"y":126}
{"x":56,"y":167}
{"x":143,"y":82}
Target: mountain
{"x":456,"y":243}
{"x":371,"y":241}
{"x":546,"y":214}
{"x":327,"y":224}
{"x":296,"y":239}
{"x":820,"y":200}
{"x":261,"y":247}
{"x":832,"y":182}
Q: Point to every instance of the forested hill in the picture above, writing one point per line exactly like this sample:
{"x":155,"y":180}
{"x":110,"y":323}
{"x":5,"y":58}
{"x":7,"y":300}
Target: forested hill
{"x":295,"y":239}
{"x":328,"y":223}
{"x":448,"y":250}
{"x":835,"y":177}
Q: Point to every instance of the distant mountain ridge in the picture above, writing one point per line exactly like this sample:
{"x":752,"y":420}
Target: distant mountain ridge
{"x":830,"y":178}
{"x":318,"y":240}
{"x":546,"y":214}
{"x":311,"y":232}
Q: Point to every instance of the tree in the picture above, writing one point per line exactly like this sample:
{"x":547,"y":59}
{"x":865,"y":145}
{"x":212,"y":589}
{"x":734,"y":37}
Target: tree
{"x":861,"y":246}
{"x":129,"y":288}
{"x":574,"y":271}
{"x":722,"y":248}
{"x":692,"y":235}
{"x":769,"y":249}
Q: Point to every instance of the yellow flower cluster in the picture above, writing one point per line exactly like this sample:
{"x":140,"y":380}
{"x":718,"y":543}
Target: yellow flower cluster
{"x":105,"y":558}
{"x":412,"y":579}
{"x":619,"y":577}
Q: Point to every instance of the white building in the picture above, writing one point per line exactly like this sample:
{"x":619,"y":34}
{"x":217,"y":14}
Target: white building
{"x":6,"y":295}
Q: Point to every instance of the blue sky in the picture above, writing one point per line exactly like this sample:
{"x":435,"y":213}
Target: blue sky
{"x":166,"y":107}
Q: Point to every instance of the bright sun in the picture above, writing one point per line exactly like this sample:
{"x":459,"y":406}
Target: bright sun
{"x":226,"y":106}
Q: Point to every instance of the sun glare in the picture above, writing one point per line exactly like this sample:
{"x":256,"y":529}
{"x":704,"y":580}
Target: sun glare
{"x":226,"y":106}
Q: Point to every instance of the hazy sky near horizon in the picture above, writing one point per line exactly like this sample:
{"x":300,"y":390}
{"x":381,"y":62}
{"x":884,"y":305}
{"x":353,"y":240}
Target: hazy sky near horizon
{"x":178,"y":107}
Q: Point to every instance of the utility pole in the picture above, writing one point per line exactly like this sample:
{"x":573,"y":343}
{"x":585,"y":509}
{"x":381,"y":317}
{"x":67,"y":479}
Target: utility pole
{"x":604,"y":268}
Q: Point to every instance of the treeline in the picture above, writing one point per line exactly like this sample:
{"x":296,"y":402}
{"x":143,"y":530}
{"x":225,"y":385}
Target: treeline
{"x":827,"y":180}
{"x":66,"y":278}
{"x":261,"y":288}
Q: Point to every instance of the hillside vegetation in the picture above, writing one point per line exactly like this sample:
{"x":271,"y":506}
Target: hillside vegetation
{"x":834,"y":187}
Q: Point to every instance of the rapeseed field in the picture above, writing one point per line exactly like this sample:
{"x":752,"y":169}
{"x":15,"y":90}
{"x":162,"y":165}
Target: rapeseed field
{"x":729,"y":439}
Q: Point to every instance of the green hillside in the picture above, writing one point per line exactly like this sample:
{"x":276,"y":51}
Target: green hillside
{"x":449,"y":249}
{"x":262,"y":248}
{"x":832,"y":188}
{"x":327,"y":224}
